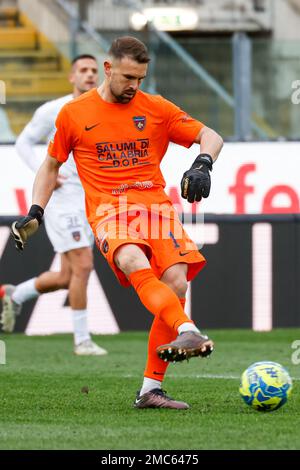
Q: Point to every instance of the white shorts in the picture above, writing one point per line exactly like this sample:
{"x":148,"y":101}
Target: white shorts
{"x":67,"y":228}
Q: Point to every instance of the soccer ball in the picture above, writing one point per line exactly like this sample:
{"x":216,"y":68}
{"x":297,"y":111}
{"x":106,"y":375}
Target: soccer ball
{"x":265,"y":386}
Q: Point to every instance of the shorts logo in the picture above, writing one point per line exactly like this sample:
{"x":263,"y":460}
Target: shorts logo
{"x":105,"y":247}
{"x":76,"y":236}
{"x":139,"y":122}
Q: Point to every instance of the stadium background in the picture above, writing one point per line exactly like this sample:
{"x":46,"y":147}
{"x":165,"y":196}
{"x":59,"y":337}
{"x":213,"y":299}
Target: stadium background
{"x":234,"y":64}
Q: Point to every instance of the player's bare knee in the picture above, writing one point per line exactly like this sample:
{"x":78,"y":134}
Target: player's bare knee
{"x":131,"y":258}
{"x":179,"y":286}
{"x":81,"y":262}
{"x":176,"y":280}
{"x":82,"y":269}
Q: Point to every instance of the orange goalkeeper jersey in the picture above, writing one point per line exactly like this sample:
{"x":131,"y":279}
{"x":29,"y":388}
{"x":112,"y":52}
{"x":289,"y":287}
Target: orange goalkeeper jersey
{"x":118,"y":147}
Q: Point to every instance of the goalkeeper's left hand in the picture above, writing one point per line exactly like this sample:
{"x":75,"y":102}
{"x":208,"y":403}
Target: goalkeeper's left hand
{"x":195,"y":182}
{"x":23,"y":229}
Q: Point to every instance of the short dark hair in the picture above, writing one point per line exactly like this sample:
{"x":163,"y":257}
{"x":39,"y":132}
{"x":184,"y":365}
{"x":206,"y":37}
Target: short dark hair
{"x":129,"y":46}
{"x":83,"y":56}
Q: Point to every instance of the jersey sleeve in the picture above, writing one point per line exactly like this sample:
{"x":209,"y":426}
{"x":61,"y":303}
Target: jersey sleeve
{"x":62,"y":143}
{"x":182,"y":128}
{"x":38,"y":128}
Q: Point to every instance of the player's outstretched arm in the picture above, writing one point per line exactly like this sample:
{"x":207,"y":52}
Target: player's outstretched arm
{"x":210,"y":142}
{"x":33,"y":133}
{"x":43,"y":188}
{"x":195,"y":182}
{"x":45,"y":181}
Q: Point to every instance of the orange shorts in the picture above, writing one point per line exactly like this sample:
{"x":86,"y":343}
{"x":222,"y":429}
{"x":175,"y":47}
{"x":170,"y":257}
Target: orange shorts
{"x":163,"y":240}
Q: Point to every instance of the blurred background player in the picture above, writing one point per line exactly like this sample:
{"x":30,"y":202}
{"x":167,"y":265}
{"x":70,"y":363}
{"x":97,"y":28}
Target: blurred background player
{"x":114,"y":119}
{"x":65,"y":220}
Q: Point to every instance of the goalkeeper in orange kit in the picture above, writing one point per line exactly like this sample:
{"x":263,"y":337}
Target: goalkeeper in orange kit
{"x":118,"y":136}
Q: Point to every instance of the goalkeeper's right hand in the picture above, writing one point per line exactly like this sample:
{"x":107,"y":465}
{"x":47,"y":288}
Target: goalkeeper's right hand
{"x":26,"y":227}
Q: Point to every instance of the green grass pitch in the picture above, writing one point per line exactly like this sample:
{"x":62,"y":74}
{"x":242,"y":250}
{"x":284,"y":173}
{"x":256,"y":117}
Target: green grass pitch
{"x":42,"y":405}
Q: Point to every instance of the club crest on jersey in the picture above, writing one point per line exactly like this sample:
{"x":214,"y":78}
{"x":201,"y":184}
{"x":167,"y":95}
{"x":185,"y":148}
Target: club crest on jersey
{"x":139,"y":122}
{"x":76,"y":236}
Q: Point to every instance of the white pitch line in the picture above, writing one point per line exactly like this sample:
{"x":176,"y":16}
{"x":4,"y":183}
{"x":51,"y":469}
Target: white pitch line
{"x":198,"y":376}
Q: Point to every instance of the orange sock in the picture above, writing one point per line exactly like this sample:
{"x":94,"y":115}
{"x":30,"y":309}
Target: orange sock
{"x":158,"y":298}
{"x":160,"y":333}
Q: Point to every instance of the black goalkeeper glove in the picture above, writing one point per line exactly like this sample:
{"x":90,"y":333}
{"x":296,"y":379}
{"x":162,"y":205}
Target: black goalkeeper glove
{"x":26,"y":227}
{"x":195,"y":182}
